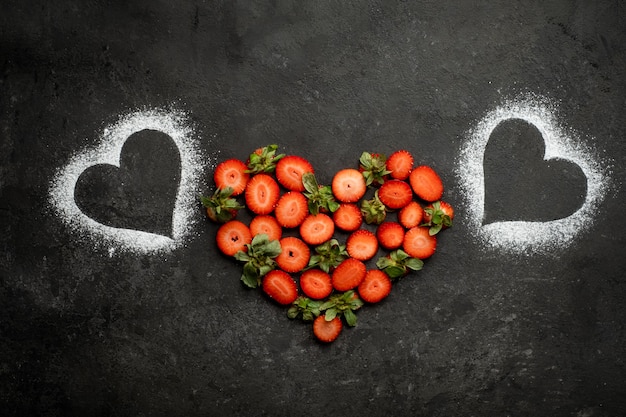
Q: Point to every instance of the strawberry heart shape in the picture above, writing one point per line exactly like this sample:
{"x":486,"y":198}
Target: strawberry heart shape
{"x":514,"y":166}
{"x":563,"y":149}
{"x":139,"y":194}
{"x":116,"y":197}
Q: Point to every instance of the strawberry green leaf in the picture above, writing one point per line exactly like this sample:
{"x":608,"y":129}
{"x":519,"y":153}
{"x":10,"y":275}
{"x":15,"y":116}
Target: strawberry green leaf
{"x":320,"y":198}
{"x":350,"y":317}
{"x":221,"y":207}
{"x":374,"y":168}
{"x":305,"y":308}
{"x":328,"y":255}
{"x":374,"y":211}
{"x":341,"y":304}
{"x":264,"y":160}
{"x":259,"y":259}
{"x":398,"y":263}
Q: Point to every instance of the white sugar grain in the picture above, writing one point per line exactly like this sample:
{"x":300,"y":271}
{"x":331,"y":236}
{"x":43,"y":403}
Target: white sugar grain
{"x":560,"y":143}
{"x":171,"y":122}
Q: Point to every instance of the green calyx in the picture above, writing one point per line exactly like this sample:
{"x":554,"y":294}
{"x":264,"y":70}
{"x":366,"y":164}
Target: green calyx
{"x":374,"y":211}
{"x":264,"y":160}
{"x":374,"y":168}
{"x":438,"y":218}
{"x":221,"y":207}
{"x":328,"y":255}
{"x":342,"y":304}
{"x":305,"y":308}
{"x":320,"y":198}
{"x":259,"y":259}
{"x":398,"y":264}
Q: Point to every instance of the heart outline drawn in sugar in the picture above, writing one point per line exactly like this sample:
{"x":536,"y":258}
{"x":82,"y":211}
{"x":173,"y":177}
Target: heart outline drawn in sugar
{"x":172,"y":123}
{"x":560,"y":145}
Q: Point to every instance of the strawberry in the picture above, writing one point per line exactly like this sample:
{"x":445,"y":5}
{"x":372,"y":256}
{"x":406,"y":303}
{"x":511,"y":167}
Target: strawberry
{"x":232,"y":237}
{"x":373,"y":168}
{"x":259,"y":259}
{"x":375,"y":286}
{"x":295,"y":254}
{"x":327,"y":330}
{"x":305,"y":308}
{"x":400,"y":164}
{"x":373,"y":210}
{"x":291,"y":209}
{"x":342,"y":304}
{"x":289,"y":171}
{"x":348,"y":185}
{"x":266,"y":224}
{"x":398,"y":264}
{"x":280,"y":287}
{"x":438,"y":216}
{"x":262,"y":193}
{"x":390,"y":235}
{"x":419,"y":243}
{"x":411,"y":215}
{"x":321,"y":198}
{"x":426,"y":183}
{"x":264,"y":160}
{"x":348,"y":274}
{"x":221,"y":207}
{"x":231,"y":173}
{"x":316,"y":284}
{"x":362,"y":245}
{"x":317,"y":228}
{"x":328,"y":255}
{"x":395,"y":194}
{"x":348,"y":217}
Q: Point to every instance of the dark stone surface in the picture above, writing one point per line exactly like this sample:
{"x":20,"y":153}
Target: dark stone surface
{"x":85,"y":332}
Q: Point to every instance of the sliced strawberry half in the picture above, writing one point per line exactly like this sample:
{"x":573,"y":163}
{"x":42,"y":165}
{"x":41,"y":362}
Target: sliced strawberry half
{"x":294,"y":256}
{"x":348,"y":185}
{"x":375,"y":286}
{"x":317,"y":229}
{"x":232,"y":237}
{"x":418,"y":242}
{"x":291,"y":209}
{"x":395,"y":194}
{"x":289,"y":171}
{"x":262,"y":193}
{"x":231,"y":173}
{"x":280,"y":287}
{"x":316,"y":284}
{"x":426,"y":183}
{"x":362,"y":245}
{"x":400,"y":164}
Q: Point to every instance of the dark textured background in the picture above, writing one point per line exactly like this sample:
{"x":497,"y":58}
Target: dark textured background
{"x":475,"y":333}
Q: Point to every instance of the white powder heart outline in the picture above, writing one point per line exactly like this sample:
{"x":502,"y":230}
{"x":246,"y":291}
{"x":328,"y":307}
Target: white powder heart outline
{"x":530,"y":236}
{"x":171,"y":122}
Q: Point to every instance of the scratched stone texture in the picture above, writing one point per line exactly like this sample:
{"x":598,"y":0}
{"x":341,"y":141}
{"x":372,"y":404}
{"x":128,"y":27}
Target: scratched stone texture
{"x":89,"y":332}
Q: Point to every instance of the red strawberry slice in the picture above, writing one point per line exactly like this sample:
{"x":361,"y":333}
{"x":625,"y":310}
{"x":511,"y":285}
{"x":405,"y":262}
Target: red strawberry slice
{"x":295,"y":254}
{"x":395,"y":194}
{"x":348,"y":185}
{"x":400,"y":164}
{"x":266,"y":224}
{"x":411,"y":215}
{"x":232,"y":237}
{"x":390,"y":235}
{"x":348,"y":217}
{"x":348,"y":274}
{"x":291,"y":209}
{"x":418,"y":243}
{"x":231,"y":173}
{"x":426,"y":183}
{"x":327,"y":330}
{"x":316,"y":284}
{"x":317,"y":228}
{"x":289,"y":171}
{"x":262,"y":193}
{"x":375,"y":286}
{"x":280,"y":287}
{"x":362,"y":245}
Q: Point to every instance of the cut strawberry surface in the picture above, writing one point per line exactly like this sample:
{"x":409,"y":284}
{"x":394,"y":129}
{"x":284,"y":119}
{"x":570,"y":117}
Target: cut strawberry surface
{"x":411,"y":215}
{"x":362,"y":245}
{"x":395,"y":194}
{"x":348,"y":274}
{"x":289,"y":171}
{"x":348,"y":185}
{"x":348,"y":217}
{"x":262,"y":193}
{"x":291,"y":209}
{"x":400,"y":164}
{"x":426,"y":183}
{"x":266,"y":224}
{"x":232,"y":237}
{"x":295,"y":254}
{"x":317,"y":229}
{"x":390,"y":235}
{"x":231,"y":173}
{"x":418,"y":243}
{"x":375,"y":286}
{"x":316,"y":284}
{"x":280,"y":287}
{"x":327,"y":330}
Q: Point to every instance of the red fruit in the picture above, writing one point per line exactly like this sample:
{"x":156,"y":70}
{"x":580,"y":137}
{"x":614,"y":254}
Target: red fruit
{"x":395,"y":194}
{"x":426,"y":183}
{"x":231,"y":173}
{"x":348,"y":217}
{"x":266,"y":224}
{"x":232,"y":237}
{"x":295,"y":254}
{"x":445,"y":207}
{"x":291,"y":209}
{"x":362,"y":245}
{"x":348,"y":274}
{"x":390,"y":235}
{"x":289,"y":172}
{"x":375,"y":286}
{"x":262,"y":193}
{"x":348,"y":185}
{"x":411,"y":215}
{"x":316,"y":284}
{"x":317,"y":228}
{"x":418,"y":243}
{"x":327,"y":331}
{"x":280,"y":287}
{"x":400,"y":164}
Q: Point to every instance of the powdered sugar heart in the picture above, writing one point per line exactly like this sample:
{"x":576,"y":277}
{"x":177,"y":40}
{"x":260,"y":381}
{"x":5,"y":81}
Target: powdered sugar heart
{"x":173,"y":124}
{"x":530,"y":236}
